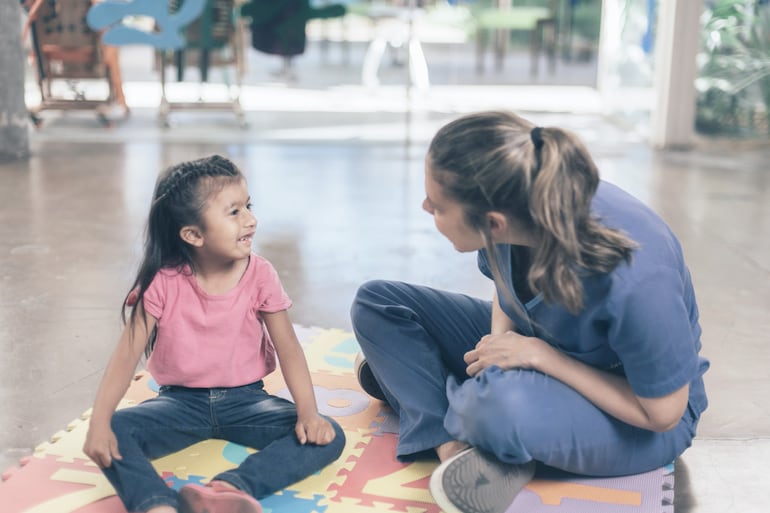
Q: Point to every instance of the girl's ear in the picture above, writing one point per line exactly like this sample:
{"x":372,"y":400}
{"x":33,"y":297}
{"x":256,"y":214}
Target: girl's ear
{"x":191,"y":235}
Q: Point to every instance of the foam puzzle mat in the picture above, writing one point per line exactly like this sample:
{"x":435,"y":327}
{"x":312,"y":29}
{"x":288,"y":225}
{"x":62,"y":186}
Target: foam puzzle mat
{"x":367,"y":478}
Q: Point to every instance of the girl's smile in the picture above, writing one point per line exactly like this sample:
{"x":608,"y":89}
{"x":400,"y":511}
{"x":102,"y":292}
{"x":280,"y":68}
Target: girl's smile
{"x":247,"y":238}
{"x":228,"y":225}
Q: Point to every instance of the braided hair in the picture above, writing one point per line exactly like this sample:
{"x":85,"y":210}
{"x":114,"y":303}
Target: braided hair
{"x":180,"y":196}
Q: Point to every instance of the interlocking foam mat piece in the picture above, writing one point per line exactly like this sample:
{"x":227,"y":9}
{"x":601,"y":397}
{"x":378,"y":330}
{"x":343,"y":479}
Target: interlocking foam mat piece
{"x":367,"y":478}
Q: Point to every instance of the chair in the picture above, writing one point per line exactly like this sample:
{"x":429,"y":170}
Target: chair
{"x":499,"y":21}
{"x":66,"y":50}
{"x":214,"y":39}
{"x":394,"y":27}
{"x":278,"y":27}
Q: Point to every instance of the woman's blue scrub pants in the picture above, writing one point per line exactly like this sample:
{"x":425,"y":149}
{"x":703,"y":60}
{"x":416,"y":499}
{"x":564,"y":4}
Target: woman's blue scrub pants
{"x":414,"y":339}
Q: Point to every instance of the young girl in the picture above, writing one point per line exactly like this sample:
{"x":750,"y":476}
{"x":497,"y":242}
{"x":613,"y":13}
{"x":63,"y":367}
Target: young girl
{"x":214,"y":317}
{"x":586,"y":359}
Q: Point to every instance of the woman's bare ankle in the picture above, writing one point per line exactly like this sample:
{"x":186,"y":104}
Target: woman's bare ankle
{"x":449,"y":449}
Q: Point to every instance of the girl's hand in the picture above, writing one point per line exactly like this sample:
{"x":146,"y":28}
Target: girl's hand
{"x":508,"y":350}
{"x":314,"y":429}
{"x":101,"y":446}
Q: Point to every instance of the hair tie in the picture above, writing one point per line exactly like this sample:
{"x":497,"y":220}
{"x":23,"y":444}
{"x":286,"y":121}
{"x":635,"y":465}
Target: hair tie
{"x":537,"y":137}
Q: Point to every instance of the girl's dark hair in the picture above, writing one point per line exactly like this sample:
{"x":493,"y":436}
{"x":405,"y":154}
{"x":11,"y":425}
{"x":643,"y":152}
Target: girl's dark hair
{"x":180,"y":195}
{"x":545,"y":180}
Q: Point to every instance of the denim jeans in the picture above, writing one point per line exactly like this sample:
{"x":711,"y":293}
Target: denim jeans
{"x":414,"y":339}
{"x":179,"y":417}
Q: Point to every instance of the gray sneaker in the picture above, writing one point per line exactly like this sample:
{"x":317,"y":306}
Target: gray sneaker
{"x":475,"y":482}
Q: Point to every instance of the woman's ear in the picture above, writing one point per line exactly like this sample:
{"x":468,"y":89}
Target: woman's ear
{"x":498,"y":225}
{"x":191,"y":235}
{"x":506,"y":230}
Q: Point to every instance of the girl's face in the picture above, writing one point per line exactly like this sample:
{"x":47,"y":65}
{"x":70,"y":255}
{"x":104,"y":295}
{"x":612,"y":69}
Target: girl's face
{"x":449,"y":216}
{"x":228,"y":224}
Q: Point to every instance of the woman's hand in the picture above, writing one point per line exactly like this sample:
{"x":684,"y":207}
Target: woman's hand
{"x":314,"y":429}
{"x":507,"y":350}
{"x":101,"y":445}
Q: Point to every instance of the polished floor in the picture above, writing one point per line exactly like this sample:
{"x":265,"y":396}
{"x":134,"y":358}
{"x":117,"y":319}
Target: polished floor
{"x":337,"y":192}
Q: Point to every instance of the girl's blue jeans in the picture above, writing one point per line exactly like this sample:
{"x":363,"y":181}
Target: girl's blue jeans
{"x":414,"y":339}
{"x":179,"y":417}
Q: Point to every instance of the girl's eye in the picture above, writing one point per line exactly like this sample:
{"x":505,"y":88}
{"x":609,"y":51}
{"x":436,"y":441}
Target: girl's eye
{"x":234,"y":212}
{"x":248,"y":206}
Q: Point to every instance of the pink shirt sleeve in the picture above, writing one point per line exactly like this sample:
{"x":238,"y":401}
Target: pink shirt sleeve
{"x":155,"y":296}
{"x":270,"y":297}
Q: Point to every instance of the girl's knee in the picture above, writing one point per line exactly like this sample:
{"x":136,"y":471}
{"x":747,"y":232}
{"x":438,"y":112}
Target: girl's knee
{"x":120,"y":421}
{"x":122,"y":424}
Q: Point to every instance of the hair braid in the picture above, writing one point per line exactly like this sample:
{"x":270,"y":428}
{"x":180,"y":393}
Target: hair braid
{"x":180,"y":177}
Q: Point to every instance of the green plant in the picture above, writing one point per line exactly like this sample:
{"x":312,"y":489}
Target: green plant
{"x":734,"y":75}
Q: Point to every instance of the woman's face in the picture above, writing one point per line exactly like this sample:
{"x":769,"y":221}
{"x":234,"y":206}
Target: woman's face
{"x":450,"y":220}
{"x":448,"y":216}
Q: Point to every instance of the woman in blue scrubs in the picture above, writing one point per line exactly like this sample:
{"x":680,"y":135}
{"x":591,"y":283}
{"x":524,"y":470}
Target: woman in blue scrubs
{"x":587,"y":357}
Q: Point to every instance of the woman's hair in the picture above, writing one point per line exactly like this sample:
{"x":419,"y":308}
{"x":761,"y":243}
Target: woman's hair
{"x":544,"y":179}
{"x":181,"y":192}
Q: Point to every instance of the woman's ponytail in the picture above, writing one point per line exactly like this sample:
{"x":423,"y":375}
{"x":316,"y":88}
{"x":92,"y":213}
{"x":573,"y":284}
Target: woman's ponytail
{"x":560,"y":206}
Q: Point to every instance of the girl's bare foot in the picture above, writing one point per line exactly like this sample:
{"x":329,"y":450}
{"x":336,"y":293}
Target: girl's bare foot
{"x":216,"y":497}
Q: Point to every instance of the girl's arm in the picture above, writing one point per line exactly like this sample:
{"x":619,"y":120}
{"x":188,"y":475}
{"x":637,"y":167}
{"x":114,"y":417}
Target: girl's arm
{"x":609,"y":392}
{"x":311,"y":426}
{"x":101,"y":445}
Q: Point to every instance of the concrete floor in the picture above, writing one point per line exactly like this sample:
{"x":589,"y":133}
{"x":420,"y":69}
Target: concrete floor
{"x":337,"y":191}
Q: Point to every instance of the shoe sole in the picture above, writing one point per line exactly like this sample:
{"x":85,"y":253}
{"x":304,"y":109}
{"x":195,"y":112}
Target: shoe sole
{"x":366,"y":379}
{"x":453,"y":475}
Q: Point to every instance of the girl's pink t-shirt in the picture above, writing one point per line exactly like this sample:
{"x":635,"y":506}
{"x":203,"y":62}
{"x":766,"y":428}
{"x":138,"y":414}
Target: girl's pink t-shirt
{"x":209,"y":341}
